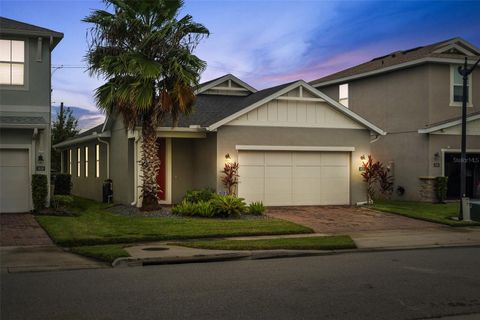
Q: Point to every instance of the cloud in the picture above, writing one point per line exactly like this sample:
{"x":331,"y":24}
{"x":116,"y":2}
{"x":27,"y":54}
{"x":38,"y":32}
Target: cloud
{"x":86,"y":118}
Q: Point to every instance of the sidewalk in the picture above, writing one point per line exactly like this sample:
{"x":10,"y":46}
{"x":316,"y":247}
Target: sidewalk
{"x":162,"y":253}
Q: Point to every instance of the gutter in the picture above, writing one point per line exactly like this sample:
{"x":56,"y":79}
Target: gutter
{"x":93,"y":136}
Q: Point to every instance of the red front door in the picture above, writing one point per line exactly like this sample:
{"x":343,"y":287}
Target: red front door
{"x":162,"y":172}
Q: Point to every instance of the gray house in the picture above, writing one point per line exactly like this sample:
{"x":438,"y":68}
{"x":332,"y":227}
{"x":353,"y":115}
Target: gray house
{"x":295,"y":146}
{"x":25,"y":61}
{"x":415,"y":95}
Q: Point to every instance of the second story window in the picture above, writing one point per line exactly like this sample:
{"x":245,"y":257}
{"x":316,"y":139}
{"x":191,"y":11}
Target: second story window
{"x":456,"y":87}
{"x":343,"y":94}
{"x":12,"y":62}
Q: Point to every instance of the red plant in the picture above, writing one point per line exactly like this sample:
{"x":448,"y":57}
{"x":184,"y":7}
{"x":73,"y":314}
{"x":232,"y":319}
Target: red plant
{"x":370,"y":175}
{"x":230,"y":178}
{"x":385,"y":180}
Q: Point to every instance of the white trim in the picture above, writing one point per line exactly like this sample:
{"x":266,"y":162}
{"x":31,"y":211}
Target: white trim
{"x":314,"y":91}
{"x":301,"y":99}
{"x":230,"y":89}
{"x":448,"y":124}
{"x":73,"y":141}
{"x":391,"y":68}
{"x":454,"y":46}
{"x":293,"y":148}
{"x":467,"y":44}
{"x":223,"y":79}
{"x":168,"y":168}
{"x":22,"y":126}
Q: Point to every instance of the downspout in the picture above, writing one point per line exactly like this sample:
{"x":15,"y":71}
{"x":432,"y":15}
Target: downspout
{"x":135,"y":170}
{"x":108,"y":155}
{"x":377,"y":137}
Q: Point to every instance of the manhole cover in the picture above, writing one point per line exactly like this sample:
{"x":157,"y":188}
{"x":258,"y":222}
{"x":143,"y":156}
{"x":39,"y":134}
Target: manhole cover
{"x":155,"y":249}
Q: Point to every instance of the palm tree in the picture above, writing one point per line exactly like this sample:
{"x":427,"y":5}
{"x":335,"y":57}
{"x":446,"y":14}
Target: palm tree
{"x":144,"y":52}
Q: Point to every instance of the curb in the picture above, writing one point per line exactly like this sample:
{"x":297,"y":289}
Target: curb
{"x":270,"y":254}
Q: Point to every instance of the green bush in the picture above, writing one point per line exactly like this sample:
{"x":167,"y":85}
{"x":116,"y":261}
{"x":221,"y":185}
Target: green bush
{"x":198,"y":209}
{"x":62,"y":201}
{"x":195,"y":196}
{"x":228,"y":206}
{"x":39,"y":191}
{"x":63,"y":184}
{"x":441,"y":184}
{"x":256,"y":208}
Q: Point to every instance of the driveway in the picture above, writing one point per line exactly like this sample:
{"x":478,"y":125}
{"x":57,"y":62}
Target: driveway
{"x":346,"y":219}
{"x":21,"y":229}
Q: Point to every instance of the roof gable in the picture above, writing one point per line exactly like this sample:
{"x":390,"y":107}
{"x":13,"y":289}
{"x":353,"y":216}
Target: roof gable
{"x":14,"y":27}
{"x":452,"y":126}
{"x":226,"y":85}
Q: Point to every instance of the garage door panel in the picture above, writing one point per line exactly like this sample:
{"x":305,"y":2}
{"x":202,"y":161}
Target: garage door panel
{"x":278,"y":172}
{"x":251,"y":158}
{"x":14,"y":180}
{"x":335,"y":159}
{"x":251,"y":171}
{"x":307,"y":159}
{"x":278,"y":158}
{"x":334,"y":172}
{"x":306,"y":172}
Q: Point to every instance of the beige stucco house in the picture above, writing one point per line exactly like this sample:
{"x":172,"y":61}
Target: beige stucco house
{"x":25,"y":86}
{"x":295,"y":146}
{"x":415,"y":95}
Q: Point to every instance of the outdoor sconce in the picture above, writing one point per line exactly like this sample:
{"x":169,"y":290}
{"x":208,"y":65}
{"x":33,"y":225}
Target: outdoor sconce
{"x":228,"y":159}
{"x":40,"y":158}
{"x":436,"y":156}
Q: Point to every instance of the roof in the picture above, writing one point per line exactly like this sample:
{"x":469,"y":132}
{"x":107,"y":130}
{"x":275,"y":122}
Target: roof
{"x":399,"y":58}
{"x":14,"y":27}
{"x":217,"y":81}
{"x":448,"y":123}
{"x":90,"y":134}
{"x":22,"y":122}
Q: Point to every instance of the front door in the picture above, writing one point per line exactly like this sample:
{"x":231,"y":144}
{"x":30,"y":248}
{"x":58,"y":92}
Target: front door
{"x":452,"y":171}
{"x":162,"y":172}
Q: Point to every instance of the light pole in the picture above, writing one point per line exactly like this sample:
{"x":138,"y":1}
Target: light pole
{"x":464,"y":72}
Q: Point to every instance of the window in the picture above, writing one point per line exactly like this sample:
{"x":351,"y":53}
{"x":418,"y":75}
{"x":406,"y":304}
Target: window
{"x":70,"y":161}
{"x":456,"y":87}
{"x":97,"y":161}
{"x":86,"y":162}
{"x":343,"y":94}
{"x":78,"y":162}
{"x":12,"y":62}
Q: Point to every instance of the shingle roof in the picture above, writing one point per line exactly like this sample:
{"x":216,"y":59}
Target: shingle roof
{"x":390,"y":60}
{"x":14,"y":27}
{"x":22,"y":120}
{"x":469,"y":115}
{"x":88,"y":132}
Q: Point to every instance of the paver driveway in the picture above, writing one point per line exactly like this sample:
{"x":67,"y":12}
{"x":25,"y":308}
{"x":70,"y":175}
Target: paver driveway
{"x":341,"y":219}
{"x":21,"y":229}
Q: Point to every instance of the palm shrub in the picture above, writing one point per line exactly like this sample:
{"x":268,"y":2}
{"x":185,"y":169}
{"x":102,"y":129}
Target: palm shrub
{"x":144,"y":52}
{"x":228,"y":206}
{"x":39,"y":191}
{"x":256,"y":208}
{"x":192,"y":209}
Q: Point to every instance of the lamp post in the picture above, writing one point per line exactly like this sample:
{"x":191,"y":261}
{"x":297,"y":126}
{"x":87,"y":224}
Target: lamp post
{"x":464,"y":72}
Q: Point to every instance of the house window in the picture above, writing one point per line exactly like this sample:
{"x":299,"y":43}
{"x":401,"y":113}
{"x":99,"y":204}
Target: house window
{"x":343,"y":94}
{"x":12,"y":62}
{"x":70,"y":161}
{"x":86,"y":162}
{"x":78,"y":162}
{"x":456,"y":87}
{"x":97,"y":161}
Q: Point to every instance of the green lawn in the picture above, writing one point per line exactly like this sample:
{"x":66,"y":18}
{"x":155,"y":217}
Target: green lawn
{"x":108,"y":252}
{"x":94,"y":225}
{"x":303,"y":243}
{"x":433,"y":212}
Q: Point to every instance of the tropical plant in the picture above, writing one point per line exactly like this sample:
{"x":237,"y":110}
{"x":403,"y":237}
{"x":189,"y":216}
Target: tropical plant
{"x":62,"y":201}
{"x":144,"y":52}
{"x":441,"y":185}
{"x":370,"y":175}
{"x":195,"y":196}
{"x":230,"y":176}
{"x":385,"y":181}
{"x":228,"y":206}
{"x":200,"y":209}
{"x":256,"y":208}
{"x":63,"y":127}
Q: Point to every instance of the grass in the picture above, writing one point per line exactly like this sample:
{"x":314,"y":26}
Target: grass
{"x":303,"y":243}
{"x":107,"y":253}
{"x":433,"y":212}
{"x":94,"y":225}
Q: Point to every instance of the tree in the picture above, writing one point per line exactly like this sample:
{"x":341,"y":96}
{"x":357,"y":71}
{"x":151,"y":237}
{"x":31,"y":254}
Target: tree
{"x":144,"y":52}
{"x":63,"y":127}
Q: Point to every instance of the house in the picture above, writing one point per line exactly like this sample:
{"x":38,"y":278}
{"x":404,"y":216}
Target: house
{"x":415,"y":95}
{"x":294,"y":144}
{"x":25,"y":86}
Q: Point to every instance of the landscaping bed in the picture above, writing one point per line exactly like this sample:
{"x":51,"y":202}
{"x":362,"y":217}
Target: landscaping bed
{"x":433,"y":212}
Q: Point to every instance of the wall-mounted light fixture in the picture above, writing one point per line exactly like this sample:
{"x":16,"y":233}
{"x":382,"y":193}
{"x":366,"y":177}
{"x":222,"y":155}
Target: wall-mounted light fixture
{"x":228,"y":158}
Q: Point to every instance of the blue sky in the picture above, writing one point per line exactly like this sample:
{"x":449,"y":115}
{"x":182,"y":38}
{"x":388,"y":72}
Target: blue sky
{"x":263,"y":42}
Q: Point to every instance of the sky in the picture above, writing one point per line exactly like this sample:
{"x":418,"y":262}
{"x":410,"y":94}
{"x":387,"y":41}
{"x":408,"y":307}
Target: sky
{"x":265,"y":43}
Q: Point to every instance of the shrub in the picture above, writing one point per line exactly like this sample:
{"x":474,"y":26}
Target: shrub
{"x":63,"y":184}
{"x":385,"y":180}
{"x":198,"y":209}
{"x":370,"y":175}
{"x":256,"y":208}
{"x":441,"y":184}
{"x":39,"y":191}
{"x":62,"y":201}
{"x":228,"y":206}
{"x":195,"y":196}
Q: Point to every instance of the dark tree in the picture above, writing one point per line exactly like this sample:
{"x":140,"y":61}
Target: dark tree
{"x":63,"y":127}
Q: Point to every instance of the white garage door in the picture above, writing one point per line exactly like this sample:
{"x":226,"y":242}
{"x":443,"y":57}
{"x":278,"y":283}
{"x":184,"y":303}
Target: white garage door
{"x":279,"y":178}
{"x":14,"y":180}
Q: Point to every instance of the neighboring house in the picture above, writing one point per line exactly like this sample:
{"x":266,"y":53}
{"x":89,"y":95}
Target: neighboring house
{"x":415,"y":95}
{"x":294,"y":144}
{"x":25,"y":86}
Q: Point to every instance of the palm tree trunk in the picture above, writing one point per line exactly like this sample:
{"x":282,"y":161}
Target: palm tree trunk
{"x":150,"y":164}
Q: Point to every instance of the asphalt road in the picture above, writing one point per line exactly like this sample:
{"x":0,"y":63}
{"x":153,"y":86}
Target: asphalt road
{"x":384,"y":285}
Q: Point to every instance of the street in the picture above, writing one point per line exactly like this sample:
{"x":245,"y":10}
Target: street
{"x":413,"y":284}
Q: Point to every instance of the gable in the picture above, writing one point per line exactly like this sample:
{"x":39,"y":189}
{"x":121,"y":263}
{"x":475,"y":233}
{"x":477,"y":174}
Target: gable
{"x":228,"y":85}
{"x":473,"y":129}
{"x":296,"y":108}
{"x":457,"y":48}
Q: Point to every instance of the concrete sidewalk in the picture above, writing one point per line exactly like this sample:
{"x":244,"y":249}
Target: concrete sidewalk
{"x":163,"y":253}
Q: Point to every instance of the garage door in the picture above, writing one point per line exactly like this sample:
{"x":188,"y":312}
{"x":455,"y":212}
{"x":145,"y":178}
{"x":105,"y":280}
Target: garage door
{"x":279,"y":178}
{"x":14,"y":181}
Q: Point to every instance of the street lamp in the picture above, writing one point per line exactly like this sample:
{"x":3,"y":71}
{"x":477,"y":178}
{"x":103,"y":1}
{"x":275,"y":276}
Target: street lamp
{"x":464,"y":72}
